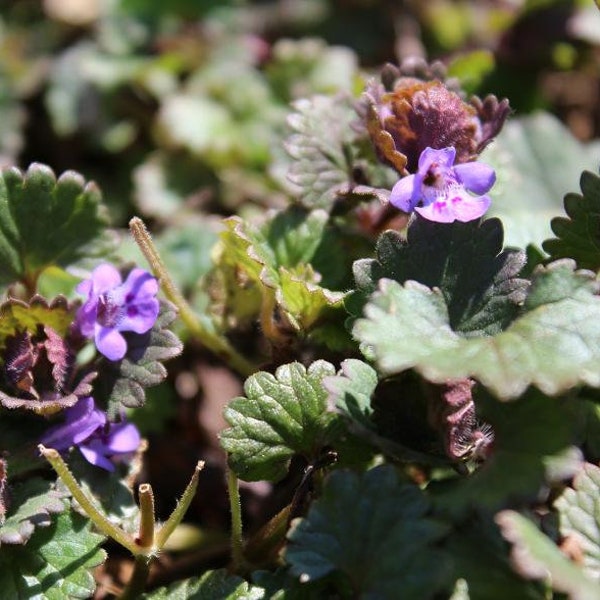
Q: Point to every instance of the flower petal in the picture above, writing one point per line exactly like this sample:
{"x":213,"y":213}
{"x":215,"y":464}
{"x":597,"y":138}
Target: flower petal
{"x":404,"y":194}
{"x":94,"y":453}
{"x":110,"y":343}
{"x":139,"y":316}
{"x":123,"y":437}
{"x":475,"y":176}
{"x":444,"y":158}
{"x":471,"y":207}
{"x":139,"y":284}
{"x":105,"y":277}
{"x":439,"y":211}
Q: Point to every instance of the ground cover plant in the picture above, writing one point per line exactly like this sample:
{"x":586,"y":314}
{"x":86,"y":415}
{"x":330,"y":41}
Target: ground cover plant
{"x":299,"y":300}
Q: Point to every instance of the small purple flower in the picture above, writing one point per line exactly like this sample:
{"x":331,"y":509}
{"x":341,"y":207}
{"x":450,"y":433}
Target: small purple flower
{"x":98,"y":439}
{"x":443,"y":192}
{"x":114,"y":305}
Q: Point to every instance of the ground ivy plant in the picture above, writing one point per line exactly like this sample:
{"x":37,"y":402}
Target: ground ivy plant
{"x":429,"y":392}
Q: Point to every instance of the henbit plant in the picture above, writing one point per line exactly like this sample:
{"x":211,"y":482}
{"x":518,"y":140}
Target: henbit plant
{"x":432,"y":394}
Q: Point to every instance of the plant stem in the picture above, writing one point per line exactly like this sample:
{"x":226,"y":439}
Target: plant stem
{"x":180,"y":509}
{"x":146,"y":531}
{"x":235,"y":506}
{"x":136,"y":585}
{"x":99,"y":520}
{"x":214,"y":342}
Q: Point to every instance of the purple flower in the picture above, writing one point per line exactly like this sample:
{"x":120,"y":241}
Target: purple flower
{"x":114,"y":305}
{"x":88,"y":428}
{"x":440,"y":190}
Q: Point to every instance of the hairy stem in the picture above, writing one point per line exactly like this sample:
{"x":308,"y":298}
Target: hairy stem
{"x":235,"y":506}
{"x":179,"y":511}
{"x":146,"y":531}
{"x":137,"y":584}
{"x":99,"y":520}
{"x":214,"y":342}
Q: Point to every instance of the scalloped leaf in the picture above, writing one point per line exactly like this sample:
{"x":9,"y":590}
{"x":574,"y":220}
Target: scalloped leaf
{"x":535,"y":556}
{"x":578,"y":236}
{"x":320,"y":147}
{"x":554,"y":344}
{"x":32,"y":504}
{"x":123,"y":382}
{"x":213,"y":585}
{"x":385,"y":544}
{"x":56,"y":563}
{"x":351,"y":390}
{"x":45,"y":221}
{"x":275,"y":260}
{"x":537,"y":161}
{"x":18,"y":315}
{"x":523,"y":457}
{"x":280,"y":416}
{"x":478,"y":280}
{"x":580,"y":518}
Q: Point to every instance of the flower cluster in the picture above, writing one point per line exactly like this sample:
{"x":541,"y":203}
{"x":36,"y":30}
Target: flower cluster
{"x":113,"y":306}
{"x":98,"y":439}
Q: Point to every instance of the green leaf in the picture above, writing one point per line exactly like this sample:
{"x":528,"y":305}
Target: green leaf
{"x":554,"y":344}
{"x":56,"y":563}
{"x":123,"y":382}
{"x":578,"y":236}
{"x":32,"y":503}
{"x":536,"y":557}
{"x":351,"y":390}
{"x":375,"y":530}
{"x":320,"y":147}
{"x":523,"y":458}
{"x":537,"y":161}
{"x":478,"y":280}
{"x":274,"y":261}
{"x":480,"y":559}
{"x":45,"y":221}
{"x":213,"y":585}
{"x":580,"y":518}
{"x":280,"y":416}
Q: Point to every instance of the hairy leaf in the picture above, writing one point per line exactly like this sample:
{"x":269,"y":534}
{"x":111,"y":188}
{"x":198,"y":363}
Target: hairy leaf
{"x":32,"y":503}
{"x":580,"y":517}
{"x":280,"y":416}
{"x":375,"y":530}
{"x":478,"y":280}
{"x":213,"y":585}
{"x":578,"y":236}
{"x":320,"y":147}
{"x":554,"y":344}
{"x":45,"y":221}
{"x":123,"y":382}
{"x":351,"y":389}
{"x":56,"y":563}
{"x":535,"y":556}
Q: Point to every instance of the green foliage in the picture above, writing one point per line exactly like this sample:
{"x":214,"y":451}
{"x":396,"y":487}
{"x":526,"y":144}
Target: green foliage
{"x":536,"y":557}
{"x":32,"y":504}
{"x":385,"y":545}
{"x":45,"y":221}
{"x":56,"y":562}
{"x":578,"y":236}
{"x":579,"y":517}
{"x":320,"y":147}
{"x":537,"y":161}
{"x":477,"y":279}
{"x":524,"y":458}
{"x":213,"y":585}
{"x":552,"y":344}
{"x":280,"y":416}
